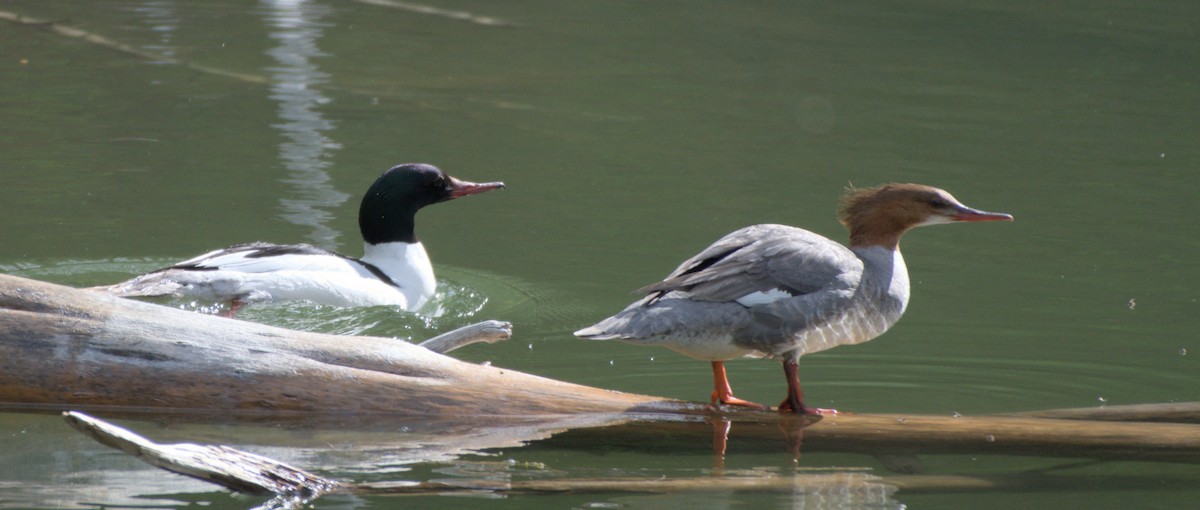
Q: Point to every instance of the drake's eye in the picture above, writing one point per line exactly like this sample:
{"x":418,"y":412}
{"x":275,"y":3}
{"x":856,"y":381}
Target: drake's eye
{"x":439,"y":183}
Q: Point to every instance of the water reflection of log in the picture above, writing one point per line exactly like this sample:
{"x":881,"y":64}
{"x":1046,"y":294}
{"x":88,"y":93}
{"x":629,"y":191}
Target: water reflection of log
{"x":247,"y":472}
{"x":895,"y":434}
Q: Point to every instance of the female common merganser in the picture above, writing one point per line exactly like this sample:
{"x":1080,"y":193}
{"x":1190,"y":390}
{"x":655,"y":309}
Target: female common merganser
{"x":394,"y":269}
{"x":780,"y":291}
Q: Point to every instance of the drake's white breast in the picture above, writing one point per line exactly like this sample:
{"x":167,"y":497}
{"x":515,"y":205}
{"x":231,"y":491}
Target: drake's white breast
{"x":408,"y":265}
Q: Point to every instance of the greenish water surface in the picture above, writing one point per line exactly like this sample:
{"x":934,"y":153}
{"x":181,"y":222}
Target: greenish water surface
{"x":631,"y":135}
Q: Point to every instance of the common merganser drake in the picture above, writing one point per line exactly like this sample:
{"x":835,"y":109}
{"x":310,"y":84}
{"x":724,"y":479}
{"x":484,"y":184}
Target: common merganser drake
{"x":782,"y":292}
{"x":394,"y":269}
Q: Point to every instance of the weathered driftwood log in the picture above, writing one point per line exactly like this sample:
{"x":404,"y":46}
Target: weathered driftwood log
{"x":67,"y":348}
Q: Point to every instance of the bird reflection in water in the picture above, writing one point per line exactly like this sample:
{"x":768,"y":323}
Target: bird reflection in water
{"x":790,"y":425}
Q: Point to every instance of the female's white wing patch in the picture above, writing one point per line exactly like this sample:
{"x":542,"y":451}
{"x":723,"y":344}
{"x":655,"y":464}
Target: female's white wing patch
{"x":763,"y":297}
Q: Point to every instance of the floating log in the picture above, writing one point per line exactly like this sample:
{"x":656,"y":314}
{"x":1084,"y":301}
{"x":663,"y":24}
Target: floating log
{"x":63,"y":348}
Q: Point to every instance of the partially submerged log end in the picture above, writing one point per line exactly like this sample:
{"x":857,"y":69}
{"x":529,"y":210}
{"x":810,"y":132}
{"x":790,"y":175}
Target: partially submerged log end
{"x":1169,"y":412}
{"x":491,"y":331}
{"x":228,"y":467}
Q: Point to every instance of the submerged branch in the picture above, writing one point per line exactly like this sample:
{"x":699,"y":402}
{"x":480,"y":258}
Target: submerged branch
{"x":104,"y":42}
{"x":486,"y":332}
{"x":233,"y":469}
{"x":439,"y":12}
